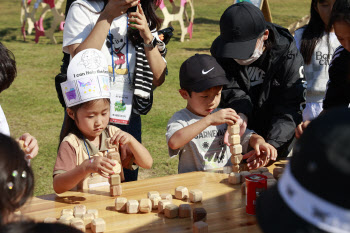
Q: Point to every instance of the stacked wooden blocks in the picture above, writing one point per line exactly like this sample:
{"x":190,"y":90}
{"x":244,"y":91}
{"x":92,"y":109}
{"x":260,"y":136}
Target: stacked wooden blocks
{"x":236,"y":147}
{"x":118,"y":176}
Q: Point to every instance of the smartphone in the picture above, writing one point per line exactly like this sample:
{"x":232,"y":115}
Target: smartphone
{"x":167,"y":32}
{"x":132,"y":9}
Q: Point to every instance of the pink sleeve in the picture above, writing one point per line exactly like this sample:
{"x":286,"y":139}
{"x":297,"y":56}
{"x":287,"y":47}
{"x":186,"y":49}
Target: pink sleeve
{"x":66,"y":158}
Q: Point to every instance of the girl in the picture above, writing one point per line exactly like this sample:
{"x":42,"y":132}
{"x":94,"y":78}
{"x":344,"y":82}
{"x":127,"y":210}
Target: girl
{"x":82,"y":152}
{"x":105,"y":25}
{"x":316,"y":48}
{"x":16,"y":179}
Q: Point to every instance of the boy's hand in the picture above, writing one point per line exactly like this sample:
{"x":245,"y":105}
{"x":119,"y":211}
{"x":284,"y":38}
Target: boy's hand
{"x":30,"y":144}
{"x":223,"y":116}
{"x":100,"y":165}
{"x":121,"y":137}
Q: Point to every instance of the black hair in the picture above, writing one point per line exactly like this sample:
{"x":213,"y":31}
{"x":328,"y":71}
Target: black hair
{"x":16,"y":178}
{"x":340,"y":12}
{"x":69,"y":125}
{"x":32,"y":227}
{"x":312,"y":33}
{"x":8,"y":70}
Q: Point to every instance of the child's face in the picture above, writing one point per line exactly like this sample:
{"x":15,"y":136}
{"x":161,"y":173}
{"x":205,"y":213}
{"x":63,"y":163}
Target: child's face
{"x":324,"y":9}
{"x":342,"y":31}
{"x":93,"y":119}
{"x":203,"y":103}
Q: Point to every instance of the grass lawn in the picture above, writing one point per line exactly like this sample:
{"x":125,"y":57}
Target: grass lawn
{"x":31,"y":105}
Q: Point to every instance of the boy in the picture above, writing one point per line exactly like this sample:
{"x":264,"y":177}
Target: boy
{"x":8,"y":73}
{"x":197,"y":132}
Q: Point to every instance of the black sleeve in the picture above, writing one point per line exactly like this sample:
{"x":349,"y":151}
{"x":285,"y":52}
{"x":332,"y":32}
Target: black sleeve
{"x":290,"y":101}
{"x":338,"y":87}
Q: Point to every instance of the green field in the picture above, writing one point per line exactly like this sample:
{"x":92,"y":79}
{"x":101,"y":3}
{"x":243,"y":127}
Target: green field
{"x":31,"y":105}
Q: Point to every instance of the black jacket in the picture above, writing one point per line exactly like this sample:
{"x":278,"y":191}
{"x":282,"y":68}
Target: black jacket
{"x":338,"y":87}
{"x":282,"y":94}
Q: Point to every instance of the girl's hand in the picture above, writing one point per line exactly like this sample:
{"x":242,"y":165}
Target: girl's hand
{"x":30,"y":144}
{"x":121,"y":137}
{"x":100,"y":165}
{"x":116,"y":8}
{"x":141,"y":24}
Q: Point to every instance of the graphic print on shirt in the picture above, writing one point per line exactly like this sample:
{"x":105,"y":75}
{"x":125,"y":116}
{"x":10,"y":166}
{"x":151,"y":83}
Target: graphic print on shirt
{"x":118,"y":44}
{"x":256,"y":75}
{"x":212,"y":147}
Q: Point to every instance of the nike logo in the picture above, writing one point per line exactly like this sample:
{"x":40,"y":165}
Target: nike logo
{"x":205,"y":72}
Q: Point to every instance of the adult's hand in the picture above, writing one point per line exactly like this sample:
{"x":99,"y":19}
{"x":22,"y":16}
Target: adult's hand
{"x":300,"y":128}
{"x":31,"y":147}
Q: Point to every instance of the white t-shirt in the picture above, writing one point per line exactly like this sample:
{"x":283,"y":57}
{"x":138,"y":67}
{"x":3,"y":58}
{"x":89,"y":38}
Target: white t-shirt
{"x":4,"y":127}
{"x":207,"y":150}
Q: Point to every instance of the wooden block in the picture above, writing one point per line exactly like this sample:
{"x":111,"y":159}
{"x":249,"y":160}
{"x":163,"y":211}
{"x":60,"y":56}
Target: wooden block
{"x":236,"y":159}
{"x":115,"y":190}
{"x":243,"y":188}
{"x":200,"y":227}
{"x":98,"y":225}
{"x":50,"y":220}
{"x":114,"y":155}
{"x":132,"y":207}
{"x":184,"y":211}
{"x":263,"y":169}
{"x":166,"y":196}
{"x":181,"y":192}
{"x":152,"y":193}
{"x":196,"y":195}
{"x":109,"y":145}
{"x":234,"y":139}
{"x":277,"y":171}
{"x":199,"y":214}
{"x":117,"y":168}
{"x":87,"y":218}
{"x":145,"y":205}
{"x":120,"y":204}
{"x":76,"y":220}
{"x":271,"y":182}
{"x":171,"y":211}
{"x":234,"y":178}
{"x":79,"y":211}
{"x":93,"y":211}
{"x":21,"y":145}
{"x":233,"y":129}
{"x":254,"y":171}
{"x":114,"y":180}
{"x":243,"y":175}
{"x":79,"y":226}
{"x":236,"y":149}
{"x":65,"y":219}
{"x":155,"y":200}
{"x":235,"y":168}
{"x":162,"y":204}
{"x":67,"y":211}
{"x":268,"y":175}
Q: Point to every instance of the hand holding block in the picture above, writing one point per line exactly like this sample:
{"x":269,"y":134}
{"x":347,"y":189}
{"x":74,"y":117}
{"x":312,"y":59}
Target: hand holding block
{"x":109,"y":145}
{"x":93,"y":211}
{"x":200,"y":227}
{"x":236,"y":159}
{"x":243,"y":175}
{"x":79,"y":211}
{"x":199,"y":214}
{"x":67,"y":211}
{"x":171,"y":211}
{"x":166,"y":196}
{"x":114,"y":180}
{"x":117,"y":168}
{"x":236,"y":149}
{"x":145,"y":205}
{"x":87,"y":218}
{"x":132,"y":207}
{"x":234,"y":139}
{"x":233,"y":129}
{"x":120,"y":204}
{"x":98,"y":225}
{"x":162,"y":204}
{"x":196,"y":195}
{"x":181,"y":192}
{"x":152,"y":193}
{"x":184,"y":211}
{"x":155,"y":200}
{"x":115,"y":190}
{"x":234,"y":178}
{"x":277,"y":171}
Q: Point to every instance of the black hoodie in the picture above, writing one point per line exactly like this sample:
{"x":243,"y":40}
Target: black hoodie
{"x":278,"y":104}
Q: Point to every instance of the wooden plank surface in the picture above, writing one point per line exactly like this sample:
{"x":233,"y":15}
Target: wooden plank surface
{"x":223,"y":202}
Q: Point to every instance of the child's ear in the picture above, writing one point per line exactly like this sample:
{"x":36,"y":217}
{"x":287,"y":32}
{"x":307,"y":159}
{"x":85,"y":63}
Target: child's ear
{"x":70,"y":113}
{"x":184,"y":94}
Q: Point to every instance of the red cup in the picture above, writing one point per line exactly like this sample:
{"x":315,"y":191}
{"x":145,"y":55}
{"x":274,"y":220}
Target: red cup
{"x":255,"y":184}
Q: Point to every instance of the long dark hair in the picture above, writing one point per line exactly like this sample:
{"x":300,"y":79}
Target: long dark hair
{"x":8,"y":70}
{"x":340,"y":12}
{"x":16,"y":178}
{"x":312,"y":33}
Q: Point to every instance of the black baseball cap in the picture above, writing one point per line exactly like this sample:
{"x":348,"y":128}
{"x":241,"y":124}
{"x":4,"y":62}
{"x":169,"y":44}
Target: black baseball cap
{"x":320,"y":165}
{"x":201,"y":72}
{"x":240,"y":26}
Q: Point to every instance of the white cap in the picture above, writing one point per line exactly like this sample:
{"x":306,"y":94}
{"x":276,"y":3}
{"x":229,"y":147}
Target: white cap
{"x":87,"y":78}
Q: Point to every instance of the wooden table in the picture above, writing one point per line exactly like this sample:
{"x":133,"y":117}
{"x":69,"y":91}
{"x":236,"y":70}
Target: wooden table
{"x":223,"y":202}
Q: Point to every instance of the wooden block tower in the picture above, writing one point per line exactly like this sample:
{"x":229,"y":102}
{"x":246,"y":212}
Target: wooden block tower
{"x":118,"y":176}
{"x":236,"y":147}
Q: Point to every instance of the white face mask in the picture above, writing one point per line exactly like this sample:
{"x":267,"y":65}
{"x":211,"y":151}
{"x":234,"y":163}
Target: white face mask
{"x":257,"y":53}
